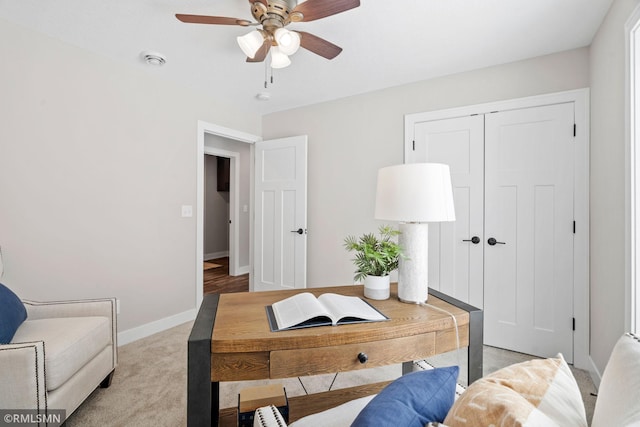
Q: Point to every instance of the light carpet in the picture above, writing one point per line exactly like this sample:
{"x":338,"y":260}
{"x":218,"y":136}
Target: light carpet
{"x":149,"y":387}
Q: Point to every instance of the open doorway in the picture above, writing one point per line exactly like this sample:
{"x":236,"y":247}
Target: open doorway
{"x":214,"y":140}
{"x":221,"y":273}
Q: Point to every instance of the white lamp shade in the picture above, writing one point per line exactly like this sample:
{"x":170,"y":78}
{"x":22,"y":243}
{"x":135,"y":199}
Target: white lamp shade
{"x":279,"y":59}
{"x":417,"y":192}
{"x":288,"y":41}
{"x":250,"y":43}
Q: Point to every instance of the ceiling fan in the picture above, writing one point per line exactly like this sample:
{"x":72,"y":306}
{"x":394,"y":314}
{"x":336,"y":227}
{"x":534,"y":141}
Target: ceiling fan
{"x":273,"y":37}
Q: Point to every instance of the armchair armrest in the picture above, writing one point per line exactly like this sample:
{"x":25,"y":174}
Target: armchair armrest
{"x":73,"y":308}
{"x":104,"y":307}
{"x":22,"y":366}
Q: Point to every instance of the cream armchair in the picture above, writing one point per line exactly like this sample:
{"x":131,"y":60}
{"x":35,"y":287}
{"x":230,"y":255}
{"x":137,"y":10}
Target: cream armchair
{"x":59,"y":355}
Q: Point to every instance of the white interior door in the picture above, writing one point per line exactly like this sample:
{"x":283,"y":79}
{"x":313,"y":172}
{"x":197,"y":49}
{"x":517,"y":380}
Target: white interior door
{"x":529,"y":155}
{"x":280,"y":223}
{"x":455,"y":261}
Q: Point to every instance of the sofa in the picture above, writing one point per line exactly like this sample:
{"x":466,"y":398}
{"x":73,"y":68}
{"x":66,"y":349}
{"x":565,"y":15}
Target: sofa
{"x":540,"y":392}
{"x":53,"y":355}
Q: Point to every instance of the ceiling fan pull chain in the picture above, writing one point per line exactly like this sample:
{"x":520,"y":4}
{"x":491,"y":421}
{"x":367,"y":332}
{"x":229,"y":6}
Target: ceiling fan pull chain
{"x":266,"y":74}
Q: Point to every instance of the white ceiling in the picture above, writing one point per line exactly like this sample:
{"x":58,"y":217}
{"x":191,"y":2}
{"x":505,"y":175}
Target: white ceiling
{"x":386,"y":43}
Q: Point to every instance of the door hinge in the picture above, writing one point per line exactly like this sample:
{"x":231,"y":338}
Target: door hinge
{"x":574,"y":227}
{"x":574,"y":323}
{"x":414,"y":145}
{"x":574,"y":129}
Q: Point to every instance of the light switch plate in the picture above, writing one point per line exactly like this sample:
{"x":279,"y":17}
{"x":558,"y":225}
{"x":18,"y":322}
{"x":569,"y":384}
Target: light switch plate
{"x":187,"y":211}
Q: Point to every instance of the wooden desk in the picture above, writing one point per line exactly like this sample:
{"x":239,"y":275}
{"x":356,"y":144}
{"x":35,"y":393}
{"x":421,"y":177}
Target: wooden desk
{"x":231,"y":341}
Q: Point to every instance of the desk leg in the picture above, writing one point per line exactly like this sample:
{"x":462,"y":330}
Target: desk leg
{"x":407,"y":367}
{"x":203,"y":401}
{"x":215,"y":403}
{"x":474,"y":351}
{"x":476,"y":331}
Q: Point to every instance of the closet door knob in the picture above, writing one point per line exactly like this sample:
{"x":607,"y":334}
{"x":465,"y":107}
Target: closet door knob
{"x":475,"y":240}
{"x":494,"y":242}
{"x":299,"y":231}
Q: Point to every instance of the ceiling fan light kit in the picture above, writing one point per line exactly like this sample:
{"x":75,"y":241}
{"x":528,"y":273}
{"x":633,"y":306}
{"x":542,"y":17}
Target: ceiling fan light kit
{"x":279,"y":59}
{"x":251,"y":42}
{"x":288,"y":41}
{"x":274,"y":15}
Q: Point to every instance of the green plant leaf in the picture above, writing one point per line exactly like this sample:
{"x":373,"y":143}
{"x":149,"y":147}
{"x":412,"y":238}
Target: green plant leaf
{"x":375,"y":256}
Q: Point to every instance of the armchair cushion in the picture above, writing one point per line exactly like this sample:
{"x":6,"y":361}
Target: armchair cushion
{"x":70,"y":343}
{"x":12,"y":314}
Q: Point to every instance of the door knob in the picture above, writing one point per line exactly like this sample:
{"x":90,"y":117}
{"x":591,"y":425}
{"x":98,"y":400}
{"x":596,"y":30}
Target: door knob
{"x":475,"y":240}
{"x":299,"y":231}
{"x":494,"y":242}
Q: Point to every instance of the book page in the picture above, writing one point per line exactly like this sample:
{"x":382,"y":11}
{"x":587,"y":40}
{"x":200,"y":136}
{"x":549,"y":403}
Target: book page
{"x":297,"y":309}
{"x":342,"y":306}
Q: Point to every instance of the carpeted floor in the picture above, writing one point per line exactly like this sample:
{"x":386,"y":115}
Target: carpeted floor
{"x":150,"y":383}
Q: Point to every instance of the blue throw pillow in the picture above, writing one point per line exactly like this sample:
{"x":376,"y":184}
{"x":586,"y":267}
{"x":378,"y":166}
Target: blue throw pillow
{"x":12,"y":314}
{"x":414,"y":399}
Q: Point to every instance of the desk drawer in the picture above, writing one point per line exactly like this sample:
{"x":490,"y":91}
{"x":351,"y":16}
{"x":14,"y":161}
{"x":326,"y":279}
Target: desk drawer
{"x":322,"y":360}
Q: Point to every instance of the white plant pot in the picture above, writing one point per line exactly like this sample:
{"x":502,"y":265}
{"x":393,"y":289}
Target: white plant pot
{"x":376,"y":287}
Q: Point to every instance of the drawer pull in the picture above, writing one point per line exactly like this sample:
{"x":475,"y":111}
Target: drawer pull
{"x":362,"y":357}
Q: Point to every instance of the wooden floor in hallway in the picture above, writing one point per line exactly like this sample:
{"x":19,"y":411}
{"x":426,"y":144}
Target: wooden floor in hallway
{"x":217,"y":280}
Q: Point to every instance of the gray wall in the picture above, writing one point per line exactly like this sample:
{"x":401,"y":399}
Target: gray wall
{"x":607,"y":205}
{"x":245,"y":151}
{"x":351,"y":138}
{"x":96,"y":160}
{"x":216,"y":210}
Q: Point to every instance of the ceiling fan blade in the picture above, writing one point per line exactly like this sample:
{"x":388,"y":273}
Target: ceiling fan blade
{"x":317,"y":9}
{"x":261,"y":54}
{"x":318,"y":45}
{"x":218,"y":20}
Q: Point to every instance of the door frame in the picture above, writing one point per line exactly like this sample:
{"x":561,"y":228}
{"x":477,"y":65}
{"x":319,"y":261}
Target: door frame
{"x":235,"y":135}
{"x":580,"y":98}
{"x":632,"y":177}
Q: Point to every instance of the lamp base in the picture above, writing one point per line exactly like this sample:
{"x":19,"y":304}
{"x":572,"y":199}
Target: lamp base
{"x":413,"y":275}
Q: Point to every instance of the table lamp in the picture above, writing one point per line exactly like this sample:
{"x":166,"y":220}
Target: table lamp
{"x":414,"y":194}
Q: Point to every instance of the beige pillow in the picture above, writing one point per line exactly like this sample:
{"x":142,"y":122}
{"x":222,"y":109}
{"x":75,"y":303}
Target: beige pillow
{"x":541,"y":392}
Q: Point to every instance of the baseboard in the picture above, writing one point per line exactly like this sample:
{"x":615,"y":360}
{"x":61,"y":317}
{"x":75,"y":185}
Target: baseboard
{"x":214,"y":255}
{"x":243,"y":270}
{"x":596,"y":376}
{"x":139,"y":332}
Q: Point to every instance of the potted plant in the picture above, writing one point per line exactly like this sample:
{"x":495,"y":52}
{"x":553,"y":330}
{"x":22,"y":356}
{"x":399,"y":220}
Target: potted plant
{"x":376,"y":257}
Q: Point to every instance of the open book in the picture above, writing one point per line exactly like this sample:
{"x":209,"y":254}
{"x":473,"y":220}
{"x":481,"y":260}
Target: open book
{"x":305,"y":310}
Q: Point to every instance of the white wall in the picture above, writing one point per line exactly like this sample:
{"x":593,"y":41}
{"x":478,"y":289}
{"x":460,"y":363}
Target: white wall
{"x":96,"y":159}
{"x":607,"y":65}
{"x":351,"y":138}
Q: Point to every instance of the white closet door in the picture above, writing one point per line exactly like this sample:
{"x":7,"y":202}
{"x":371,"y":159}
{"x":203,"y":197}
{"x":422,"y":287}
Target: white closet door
{"x":456,"y":263}
{"x":529,"y":212}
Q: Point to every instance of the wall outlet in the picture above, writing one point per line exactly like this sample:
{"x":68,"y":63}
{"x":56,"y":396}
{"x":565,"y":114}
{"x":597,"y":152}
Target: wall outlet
{"x":117,"y":306}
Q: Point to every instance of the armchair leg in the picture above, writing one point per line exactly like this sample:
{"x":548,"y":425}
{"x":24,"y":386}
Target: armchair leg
{"x":106,"y":382}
